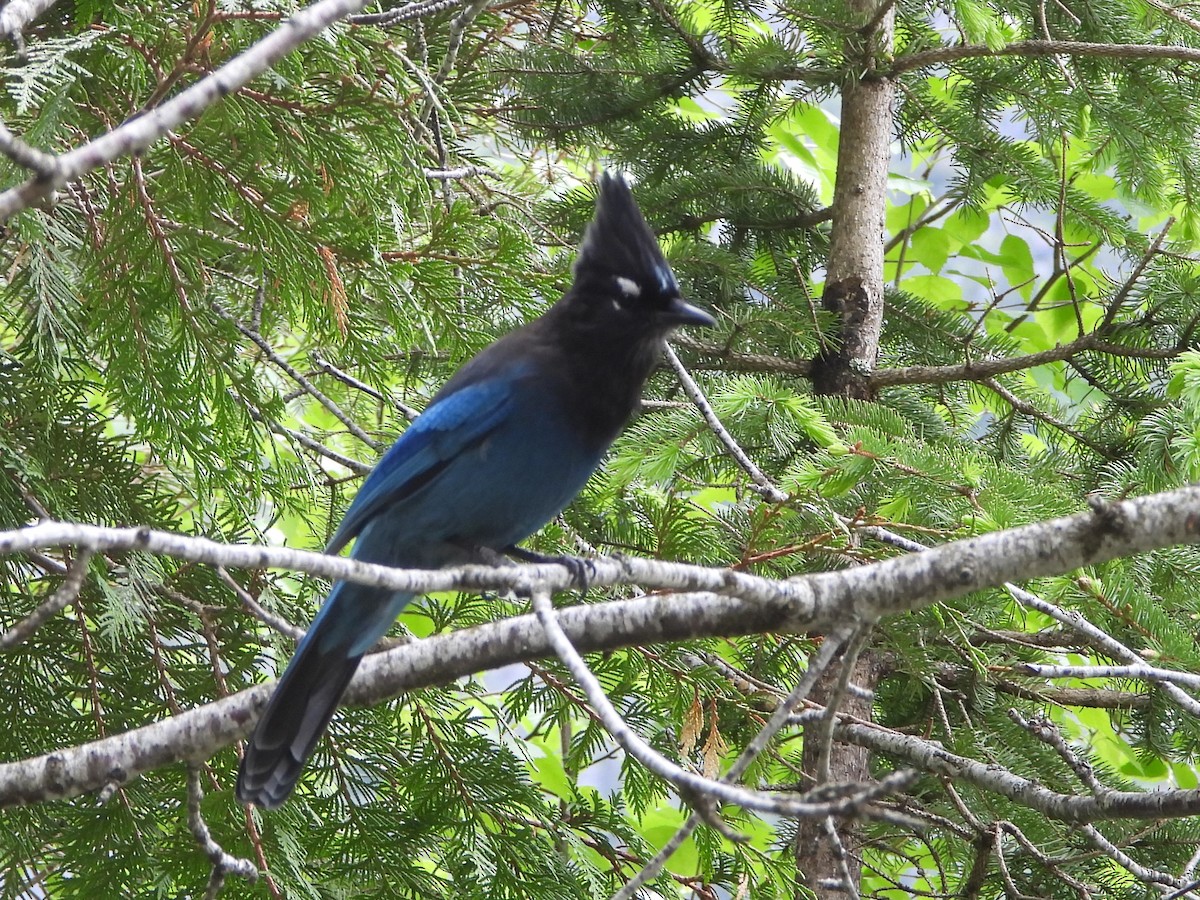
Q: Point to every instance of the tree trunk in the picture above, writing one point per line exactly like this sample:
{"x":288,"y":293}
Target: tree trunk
{"x":817,"y":857}
{"x":854,"y":281}
{"x":854,"y":291}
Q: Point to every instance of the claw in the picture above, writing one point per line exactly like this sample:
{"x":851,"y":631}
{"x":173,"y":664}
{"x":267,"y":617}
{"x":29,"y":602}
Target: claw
{"x":581,"y":569}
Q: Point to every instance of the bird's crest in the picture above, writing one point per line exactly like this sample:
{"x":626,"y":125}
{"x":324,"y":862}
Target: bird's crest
{"x":620,"y":254}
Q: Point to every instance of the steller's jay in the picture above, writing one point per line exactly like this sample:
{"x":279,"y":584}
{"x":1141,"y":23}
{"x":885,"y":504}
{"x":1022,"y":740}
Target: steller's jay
{"x":501,"y":449}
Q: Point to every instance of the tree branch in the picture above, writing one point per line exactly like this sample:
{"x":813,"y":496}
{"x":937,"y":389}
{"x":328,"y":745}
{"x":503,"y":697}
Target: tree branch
{"x":734,"y":603}
{"x":1102,"y":641}
{"x":762,"y":485}
{"x":138,"y":133}
{"x":19,"y":13}
{"x":818,"y":665}
{"x":51,"y":606}
{"x":695,"y":789}
{"x":1141,"y":672}
{"x":940,"y":55}
{"x":931,"y":757}
{"x":223,"y":862}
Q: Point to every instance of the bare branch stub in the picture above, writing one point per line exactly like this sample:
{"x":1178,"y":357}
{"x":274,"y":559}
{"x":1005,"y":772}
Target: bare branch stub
{"x":223,"y":863}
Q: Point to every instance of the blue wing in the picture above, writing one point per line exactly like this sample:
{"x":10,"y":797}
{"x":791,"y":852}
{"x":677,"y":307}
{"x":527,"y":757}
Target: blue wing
{"x":450,"y":426}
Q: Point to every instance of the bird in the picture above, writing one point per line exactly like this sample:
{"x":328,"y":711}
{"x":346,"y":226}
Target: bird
{"x":500,"y":450}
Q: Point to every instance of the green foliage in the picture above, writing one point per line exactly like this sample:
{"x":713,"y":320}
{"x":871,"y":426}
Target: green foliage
{"x":153,"y":322}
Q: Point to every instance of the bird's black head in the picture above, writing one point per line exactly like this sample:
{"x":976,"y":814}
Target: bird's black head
{"x":620,"y":272}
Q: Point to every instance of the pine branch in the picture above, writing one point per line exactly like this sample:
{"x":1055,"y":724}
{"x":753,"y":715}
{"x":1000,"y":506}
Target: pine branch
{"x":762,"y":484}
{"x":139,"y":133}
{"x":926,"y":58}
{"x":928,"y":756}
{"x":981,"y":370}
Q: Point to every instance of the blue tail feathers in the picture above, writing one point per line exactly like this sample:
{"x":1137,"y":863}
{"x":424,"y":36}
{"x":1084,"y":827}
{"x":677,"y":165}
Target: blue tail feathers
{"x":351,"y":621}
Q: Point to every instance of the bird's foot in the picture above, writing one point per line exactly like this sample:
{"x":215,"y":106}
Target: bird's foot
{"x":581,"y":569}
{"x":486,"y":555}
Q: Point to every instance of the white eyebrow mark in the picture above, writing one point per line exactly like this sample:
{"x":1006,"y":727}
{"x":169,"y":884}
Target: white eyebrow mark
{"x":628,"y":286}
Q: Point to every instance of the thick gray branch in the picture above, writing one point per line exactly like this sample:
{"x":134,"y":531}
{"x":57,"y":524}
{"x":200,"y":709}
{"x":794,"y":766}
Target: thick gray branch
{"x":19,"y":13}
{"x":732,"y":603}
{"x":929,"y":757}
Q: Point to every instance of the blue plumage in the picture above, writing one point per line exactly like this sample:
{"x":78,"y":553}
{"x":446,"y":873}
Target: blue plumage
{"x":502,"y":448}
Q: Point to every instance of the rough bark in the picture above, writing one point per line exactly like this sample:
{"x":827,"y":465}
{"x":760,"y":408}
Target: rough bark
{"x":818,"y":859}
{"x":853,"y":291}
{"x":854,"y":272}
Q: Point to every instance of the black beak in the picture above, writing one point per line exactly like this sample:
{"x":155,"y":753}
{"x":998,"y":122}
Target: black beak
{"x":680,"y":312}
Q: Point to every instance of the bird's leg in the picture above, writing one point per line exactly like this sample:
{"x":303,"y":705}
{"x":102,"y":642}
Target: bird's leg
{"x":581,"y":569}
{"x":476,"y":554}
{"x":486,"y":555}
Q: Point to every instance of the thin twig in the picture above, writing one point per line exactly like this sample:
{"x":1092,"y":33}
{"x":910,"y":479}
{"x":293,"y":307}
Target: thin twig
{"x":817,"y":665}
{"x":1066,"y":74}
{"x":978,"y":370}
{"x":1030,"y":410}
{"x":1007,"y":827}
{"x":256,"y":609}
{"x":51,"y":606}
{"x":458,"y":27}
{"x":1044,"y":730}
{"x":762,"y":484}
{"x":1139,"y":671}
{"x":454,"y":174}
{"x":289,"y":370}
{"x":346,"y":378}
{"x":1115,"y":306}
{"x":1101,"y":640}
{"x":690,"y":785}
{"x":846,"y":883}
{"x":358,"y":468}
{"x":701,"y":54}
{"x":1175,"y":13}
{"x":1127,"y":862}
{"x":1188,"y":890}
